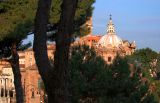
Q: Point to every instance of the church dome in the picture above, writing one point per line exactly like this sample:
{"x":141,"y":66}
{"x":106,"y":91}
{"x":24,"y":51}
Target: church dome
{"x":110,"y":39}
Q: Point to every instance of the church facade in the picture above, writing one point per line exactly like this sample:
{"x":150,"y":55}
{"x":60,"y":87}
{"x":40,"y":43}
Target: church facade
{"x":109,"y":45}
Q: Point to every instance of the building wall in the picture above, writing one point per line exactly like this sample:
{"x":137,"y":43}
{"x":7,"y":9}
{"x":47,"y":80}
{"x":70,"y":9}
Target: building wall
{"x":30,"y":77}
{"x":31,"y":88}
{"x":29,"y":58}
{"x":6,"y":85}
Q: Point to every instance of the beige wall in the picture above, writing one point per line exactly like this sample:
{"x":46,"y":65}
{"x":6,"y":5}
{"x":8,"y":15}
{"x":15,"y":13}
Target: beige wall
{"x":29,"y":58}
{"x":31,"y":86}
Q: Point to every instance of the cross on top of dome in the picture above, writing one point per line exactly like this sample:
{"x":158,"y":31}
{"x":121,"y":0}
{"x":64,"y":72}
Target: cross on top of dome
{"x":110,"y":17}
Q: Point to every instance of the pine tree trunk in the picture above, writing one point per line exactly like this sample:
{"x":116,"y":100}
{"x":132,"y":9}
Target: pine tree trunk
{"x":17,"y":74}
{"x":40,"y":47}
{"x":55,"y":80}
{"x":63,"y":41}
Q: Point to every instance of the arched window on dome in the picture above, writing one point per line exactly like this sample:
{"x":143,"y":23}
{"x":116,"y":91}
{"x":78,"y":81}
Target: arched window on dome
{"x":109,"y":59}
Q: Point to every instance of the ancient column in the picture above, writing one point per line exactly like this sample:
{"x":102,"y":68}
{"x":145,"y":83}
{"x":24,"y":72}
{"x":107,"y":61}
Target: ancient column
{"x":0,"y":91}
{"x":4,"y":93}
{"x":3,"y":80}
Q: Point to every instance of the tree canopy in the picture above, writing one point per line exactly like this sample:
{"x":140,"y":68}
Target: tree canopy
{"x":14,"y":13}
{"x":92,"y":80}
{"x":145,"y":55}
{"x":149,"y":63}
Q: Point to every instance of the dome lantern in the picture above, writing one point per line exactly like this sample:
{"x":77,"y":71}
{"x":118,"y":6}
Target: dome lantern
{"x":110,"y":26}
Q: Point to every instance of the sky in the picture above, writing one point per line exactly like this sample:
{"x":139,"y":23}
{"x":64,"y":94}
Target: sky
{"x":135,"y":20}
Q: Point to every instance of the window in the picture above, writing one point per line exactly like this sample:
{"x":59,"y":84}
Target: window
{"x":32,"y":94}
{"x":30,"y":59}
{"x":109,"y":59}
{"x":11,"y":93}
{"x":2,"y":92}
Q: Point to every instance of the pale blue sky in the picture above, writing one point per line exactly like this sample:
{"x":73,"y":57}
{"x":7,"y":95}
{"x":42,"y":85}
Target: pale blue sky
{"x":137,"y":20}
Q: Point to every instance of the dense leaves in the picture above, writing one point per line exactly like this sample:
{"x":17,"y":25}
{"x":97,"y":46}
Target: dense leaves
{"x":92,"y":80}
{"x":149,"y":63}
{"x":16,"y":13}
{"x":15,"y":36}
{"x":144,"y":56}
{"x":16,"y":21}
{"x":83,"y":13}
{"x":17,"y":16}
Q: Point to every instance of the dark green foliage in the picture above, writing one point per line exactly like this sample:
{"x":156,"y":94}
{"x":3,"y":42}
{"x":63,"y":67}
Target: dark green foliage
{"x":144,"y":56}
{"x":3,"y":7}
{"x":92,"y":80}
{"x":84,"y":70}
{"x":148,"y":62}
{"x":56,"y":11}
{"x":84,"y":10}
{"x":147,"y":59}
{"x":15,"y":36}
{"x":18,"y":12}
{"x":13,"y":13}
{"x":16,"y":21}
{"x":17,"y":16}
{"x":83,"y":13}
